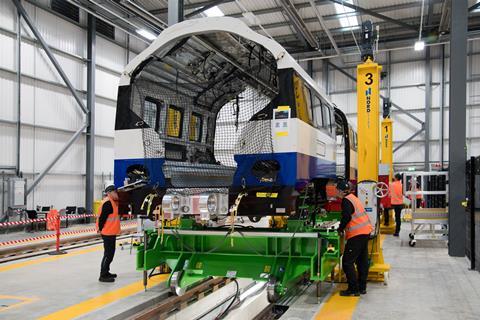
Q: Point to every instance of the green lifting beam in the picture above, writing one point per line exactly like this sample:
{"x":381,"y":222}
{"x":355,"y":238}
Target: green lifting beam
{"x":281,"y":257}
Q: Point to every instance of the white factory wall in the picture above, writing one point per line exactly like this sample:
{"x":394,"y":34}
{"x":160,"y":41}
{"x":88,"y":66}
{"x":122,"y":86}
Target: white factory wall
{"x":49,"y":114}
{"x":407,"y":76}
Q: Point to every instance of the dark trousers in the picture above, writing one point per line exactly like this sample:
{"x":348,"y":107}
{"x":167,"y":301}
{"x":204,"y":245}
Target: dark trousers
{"x":398,"y":213}
{"x":109,"y":243}
{"x":386,"y":216}
{"x":419,"y":203}
{"x":356,"y":252}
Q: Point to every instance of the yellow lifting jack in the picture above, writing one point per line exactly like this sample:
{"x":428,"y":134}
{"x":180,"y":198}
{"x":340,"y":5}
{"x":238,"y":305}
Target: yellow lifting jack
{"x":386,"y":164}
{"x":368,"y":125}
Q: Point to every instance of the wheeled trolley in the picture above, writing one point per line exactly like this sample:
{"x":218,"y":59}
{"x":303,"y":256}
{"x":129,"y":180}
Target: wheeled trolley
{"x":428,"y":193}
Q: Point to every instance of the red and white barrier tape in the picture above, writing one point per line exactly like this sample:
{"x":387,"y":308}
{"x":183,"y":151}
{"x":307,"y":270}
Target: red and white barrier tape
{"x":53,"y":235}
{"x":12,"y":242}
{"x":22,"y":222}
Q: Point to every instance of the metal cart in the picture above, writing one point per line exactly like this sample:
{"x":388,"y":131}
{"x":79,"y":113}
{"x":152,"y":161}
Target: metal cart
{"x":430,"y":221}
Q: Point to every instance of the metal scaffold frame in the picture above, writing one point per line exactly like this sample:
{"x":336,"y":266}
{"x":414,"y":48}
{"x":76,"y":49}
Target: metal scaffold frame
{"x":426,"y":223}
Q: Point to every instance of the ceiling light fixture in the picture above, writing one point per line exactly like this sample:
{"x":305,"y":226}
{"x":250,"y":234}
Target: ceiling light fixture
{"x":420,"y":44}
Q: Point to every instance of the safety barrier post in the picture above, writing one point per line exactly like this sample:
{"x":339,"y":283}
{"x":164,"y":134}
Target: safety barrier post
{"x":57,"y":231}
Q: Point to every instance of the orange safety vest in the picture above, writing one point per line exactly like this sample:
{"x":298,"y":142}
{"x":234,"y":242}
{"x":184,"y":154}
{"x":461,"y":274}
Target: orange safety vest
{"x":360,"y":222}
{"x":112,"y":225}
{"x":415,"y":189}
{"x":396,"y":192}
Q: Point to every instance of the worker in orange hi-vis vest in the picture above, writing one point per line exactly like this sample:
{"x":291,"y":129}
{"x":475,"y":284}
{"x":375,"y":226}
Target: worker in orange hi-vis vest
{"x":357,"y":227}
{"x":415,"y":187}
{"x":108,"y":225}
{"x":396,"y":196}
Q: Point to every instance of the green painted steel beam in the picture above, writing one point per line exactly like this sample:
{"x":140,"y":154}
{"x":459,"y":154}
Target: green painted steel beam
{"x":247,"y":255}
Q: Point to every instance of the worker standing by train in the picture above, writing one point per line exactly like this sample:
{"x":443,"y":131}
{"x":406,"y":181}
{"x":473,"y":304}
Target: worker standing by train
{"x":357,"y":227}
{"x":108,"y":224}
{"x":396,"y":196}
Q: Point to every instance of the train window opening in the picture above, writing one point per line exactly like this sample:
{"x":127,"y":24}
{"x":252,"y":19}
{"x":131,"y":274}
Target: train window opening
{"x":151,"y":112}
{"x":174,"y":122}
{"x":317,"y":112}
{"x":308,"y":102}
{"x":326,"y":118}
{"x":302,"y":100}
{"x":195,"y":127}
{"x":350,"y":137}
{"x":332,"y":121}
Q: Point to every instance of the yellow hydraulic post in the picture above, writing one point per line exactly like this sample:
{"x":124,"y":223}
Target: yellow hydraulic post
{"x":387,"y":164}
{"x":387,"y":145}
{"x":368,"y":88}
{"x":368,"y":125}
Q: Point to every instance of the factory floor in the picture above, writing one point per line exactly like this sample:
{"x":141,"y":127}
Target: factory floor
{"x":424,"y":283}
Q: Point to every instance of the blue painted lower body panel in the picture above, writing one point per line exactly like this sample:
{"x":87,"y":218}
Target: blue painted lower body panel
{"x":153,"y":165}
{"x":295,"y":169}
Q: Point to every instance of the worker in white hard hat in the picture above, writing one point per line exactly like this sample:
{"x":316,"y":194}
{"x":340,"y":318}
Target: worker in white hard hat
{"x":108,"y":224}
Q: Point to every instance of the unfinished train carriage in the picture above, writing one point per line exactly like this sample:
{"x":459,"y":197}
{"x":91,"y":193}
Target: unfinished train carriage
{"x":212,"y":108}
{"x":216,"y":121}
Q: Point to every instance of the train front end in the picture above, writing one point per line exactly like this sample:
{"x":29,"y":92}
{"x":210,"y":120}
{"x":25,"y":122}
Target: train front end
{"x":215,"y":122}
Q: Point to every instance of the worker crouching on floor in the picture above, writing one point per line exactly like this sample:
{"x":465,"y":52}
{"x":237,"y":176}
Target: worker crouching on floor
{"x":108,"y":224}
{"x":396,"y":196}
{"x":357,"y":227}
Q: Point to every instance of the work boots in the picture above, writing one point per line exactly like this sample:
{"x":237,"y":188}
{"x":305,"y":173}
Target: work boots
{"x":349,"y":293}
{"x":106,"y":279}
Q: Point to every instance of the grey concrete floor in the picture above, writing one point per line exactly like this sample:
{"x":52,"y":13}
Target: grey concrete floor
{"x":425,"y":283}
{"x":55,"y":285}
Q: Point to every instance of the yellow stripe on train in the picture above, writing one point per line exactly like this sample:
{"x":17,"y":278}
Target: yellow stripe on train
{"x":267,"y":194}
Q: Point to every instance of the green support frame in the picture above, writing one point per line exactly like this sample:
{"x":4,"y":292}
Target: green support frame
{"x":282,"y":256}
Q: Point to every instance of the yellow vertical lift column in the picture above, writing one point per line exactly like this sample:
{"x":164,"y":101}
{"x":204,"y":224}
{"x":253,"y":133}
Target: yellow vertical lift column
{"x":386,"y":163}
{"x":368,"y":124}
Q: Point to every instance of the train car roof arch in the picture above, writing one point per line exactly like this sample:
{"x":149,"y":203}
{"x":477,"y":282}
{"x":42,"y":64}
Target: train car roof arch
{"x":215,"y":24}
